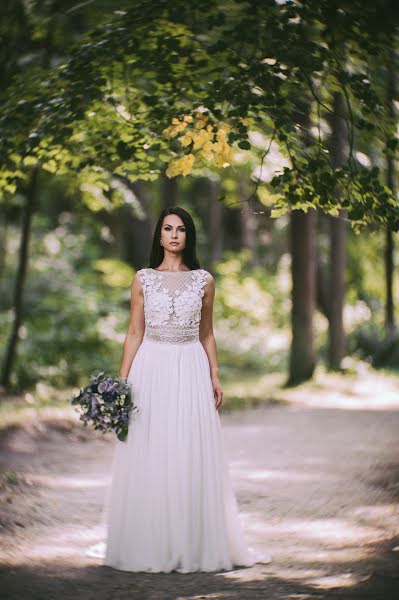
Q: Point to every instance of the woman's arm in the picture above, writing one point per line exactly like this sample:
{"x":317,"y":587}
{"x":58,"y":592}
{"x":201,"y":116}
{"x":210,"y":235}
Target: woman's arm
{"x":135,"y":332}
{"x":207,"y":338}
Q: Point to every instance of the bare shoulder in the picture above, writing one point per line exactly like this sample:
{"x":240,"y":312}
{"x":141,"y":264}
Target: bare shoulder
{"x":209,"y":282}
{"x":138,"y":278}
{"x":209,"y":276}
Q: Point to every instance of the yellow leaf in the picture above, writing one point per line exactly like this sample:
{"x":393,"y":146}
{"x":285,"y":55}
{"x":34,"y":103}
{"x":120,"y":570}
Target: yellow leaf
{"x":278,"y":212}
{"x":333,"y":211}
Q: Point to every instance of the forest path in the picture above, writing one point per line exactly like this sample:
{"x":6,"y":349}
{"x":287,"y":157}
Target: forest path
{"x":317,"y":486}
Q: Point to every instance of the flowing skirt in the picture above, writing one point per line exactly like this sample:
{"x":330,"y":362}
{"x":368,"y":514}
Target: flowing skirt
{"x":171,"y":505}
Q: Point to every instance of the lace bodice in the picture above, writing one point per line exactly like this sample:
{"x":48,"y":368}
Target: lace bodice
{"x":172,"y":304}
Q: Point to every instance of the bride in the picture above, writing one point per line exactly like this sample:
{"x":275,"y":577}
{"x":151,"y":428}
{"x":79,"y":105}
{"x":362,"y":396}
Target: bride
{"x":171,"y":505}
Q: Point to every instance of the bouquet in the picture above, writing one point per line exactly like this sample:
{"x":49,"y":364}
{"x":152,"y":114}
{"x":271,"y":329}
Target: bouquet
{"x":106,"y":403}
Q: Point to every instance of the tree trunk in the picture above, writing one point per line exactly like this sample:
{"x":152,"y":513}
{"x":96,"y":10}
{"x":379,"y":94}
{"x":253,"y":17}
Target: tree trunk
{"x":10,"y":352}
{"x":390,"y":325}
{"x":322,"y":288}
{"x":169,"y":191}
{"x":138,"y":232}
{"x":336,"y":337}
{"x":131,"y":226}
{"x":303,"y":269}
{"x":216,"y":231}
{"x":232,"y":229}
{"x":322,"y":264}
{"x":303,"y":273}
{"x":249,"y":222}
{"x":3,"y":242}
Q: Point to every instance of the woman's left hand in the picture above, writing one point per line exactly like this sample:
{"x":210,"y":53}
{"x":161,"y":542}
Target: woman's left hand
{"x":217,"y":391}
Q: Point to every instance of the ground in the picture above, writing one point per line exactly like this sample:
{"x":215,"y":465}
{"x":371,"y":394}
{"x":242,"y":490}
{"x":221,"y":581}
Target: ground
{"x":316,"y":480}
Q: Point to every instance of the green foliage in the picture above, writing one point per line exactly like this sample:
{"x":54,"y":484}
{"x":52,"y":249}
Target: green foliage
{"x":77,"y":304}
{"x":115,"y":273}
{"x":74,"y":320}
{"x":89,"y":103}
{"x":251,"y":313}
{"x":364,"y":200}
{"x":105,"y":105}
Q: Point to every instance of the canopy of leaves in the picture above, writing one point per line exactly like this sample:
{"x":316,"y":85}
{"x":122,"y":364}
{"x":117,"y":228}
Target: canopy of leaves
{"x":270,"y":66}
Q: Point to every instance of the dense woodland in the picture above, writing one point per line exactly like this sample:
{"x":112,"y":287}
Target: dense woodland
{"x":287,"y":162}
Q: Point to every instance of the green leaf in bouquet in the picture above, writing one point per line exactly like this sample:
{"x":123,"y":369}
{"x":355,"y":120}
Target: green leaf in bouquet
{"x":96,"y":375}
{"x":122,"y":434}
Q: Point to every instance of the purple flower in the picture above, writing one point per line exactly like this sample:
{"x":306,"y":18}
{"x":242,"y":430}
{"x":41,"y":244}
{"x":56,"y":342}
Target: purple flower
{"x":104,"y":386}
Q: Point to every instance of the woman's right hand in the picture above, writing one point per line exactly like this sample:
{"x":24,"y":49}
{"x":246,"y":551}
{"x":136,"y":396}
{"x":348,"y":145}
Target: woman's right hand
{"x":125,"y":381}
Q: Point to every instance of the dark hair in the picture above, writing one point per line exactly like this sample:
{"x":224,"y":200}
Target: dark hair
{"x":189,"y":253}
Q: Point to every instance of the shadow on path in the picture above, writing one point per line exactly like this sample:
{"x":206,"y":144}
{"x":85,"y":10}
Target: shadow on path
{"x":317,"y":488}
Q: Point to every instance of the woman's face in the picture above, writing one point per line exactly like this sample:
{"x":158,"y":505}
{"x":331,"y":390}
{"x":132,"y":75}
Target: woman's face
{"x":173,"y":233}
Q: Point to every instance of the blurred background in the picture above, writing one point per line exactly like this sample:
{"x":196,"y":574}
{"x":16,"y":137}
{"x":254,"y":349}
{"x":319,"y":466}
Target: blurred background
{"x":297,"y":215}
{"x":296,"y":295}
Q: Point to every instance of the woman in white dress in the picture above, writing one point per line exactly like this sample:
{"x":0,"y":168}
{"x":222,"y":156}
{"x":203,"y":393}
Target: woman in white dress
{"x":171,"y":505}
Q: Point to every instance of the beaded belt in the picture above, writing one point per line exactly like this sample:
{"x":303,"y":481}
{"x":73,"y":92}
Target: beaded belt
{"x":172,"y":334}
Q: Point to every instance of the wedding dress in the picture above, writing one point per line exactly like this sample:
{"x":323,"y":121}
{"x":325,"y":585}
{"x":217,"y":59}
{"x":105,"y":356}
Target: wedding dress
{"x":171,"y":505}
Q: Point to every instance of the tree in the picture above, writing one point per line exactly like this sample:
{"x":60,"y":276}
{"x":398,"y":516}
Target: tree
{"x":30,"y":35}
{"x":303,"y":270}
{"x":31,"y":199}
{"x":112,"y":104}
{"x":390,"y":325}
{"x":336,"y":339}
{"x":303,"y":274}
{"x":182,"y":85}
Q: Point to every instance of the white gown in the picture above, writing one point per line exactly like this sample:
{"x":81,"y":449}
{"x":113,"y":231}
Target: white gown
{"x":171,"y":505}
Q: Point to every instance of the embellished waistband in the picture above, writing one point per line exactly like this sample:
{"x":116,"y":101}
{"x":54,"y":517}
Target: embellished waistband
{"x":172,"y":334}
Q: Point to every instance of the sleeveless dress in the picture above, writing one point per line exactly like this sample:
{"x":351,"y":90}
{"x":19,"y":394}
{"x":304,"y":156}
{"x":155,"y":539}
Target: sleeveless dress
{"x":171,"y":505}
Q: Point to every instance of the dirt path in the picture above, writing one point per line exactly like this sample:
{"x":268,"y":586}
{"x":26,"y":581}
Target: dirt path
{"x":318,"y":489}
